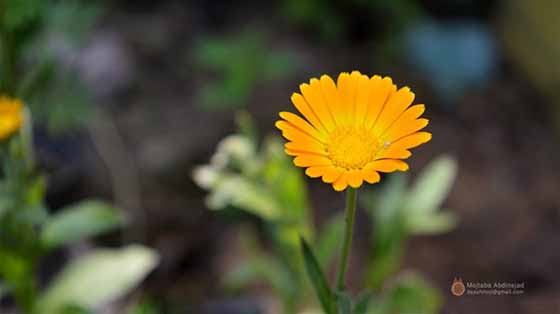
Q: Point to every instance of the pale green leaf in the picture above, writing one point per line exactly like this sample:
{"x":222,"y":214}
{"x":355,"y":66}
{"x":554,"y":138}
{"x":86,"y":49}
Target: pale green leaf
{"x":320,"y":284}
{"x":432,"y":223}
{"x":98,"y":277}
{"x":77,"y":222}
{"x":432,"y":186}
{"x":238,"y":191}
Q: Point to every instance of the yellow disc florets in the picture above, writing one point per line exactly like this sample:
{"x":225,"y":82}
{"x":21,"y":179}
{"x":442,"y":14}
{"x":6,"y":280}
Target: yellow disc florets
{"x":352,"y":147}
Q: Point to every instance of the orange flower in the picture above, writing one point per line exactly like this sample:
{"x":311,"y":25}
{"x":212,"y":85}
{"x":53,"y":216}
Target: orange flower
{"x":352,"y":130}
{"x":11,"y":116}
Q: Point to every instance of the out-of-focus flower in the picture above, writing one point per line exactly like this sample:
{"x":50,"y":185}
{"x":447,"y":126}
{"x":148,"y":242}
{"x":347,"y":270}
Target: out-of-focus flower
{"x":461,"y":54}
{"x":233,"y":147}
{"x":11,"y":116}
{"x":352,"y":130}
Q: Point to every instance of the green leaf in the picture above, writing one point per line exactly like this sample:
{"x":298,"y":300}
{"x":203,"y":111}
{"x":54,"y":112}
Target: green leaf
{"x":344,"y":302}
{"x":410,"y":293}
{"x":77,"y":222}
{"x":18,"y":13}
{"x":362,"y":303}
{"x":432,"y":187}
{"x":242,"y":193}
{"x":286,"y":183}
{"x":97,"y":278}
{"x":432,"y":224}
{"x":318,"y":280}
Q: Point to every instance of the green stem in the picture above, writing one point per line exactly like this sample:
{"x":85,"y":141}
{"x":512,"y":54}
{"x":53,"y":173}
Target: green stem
{"x":6,"y":56}
{"x":351,"y":197}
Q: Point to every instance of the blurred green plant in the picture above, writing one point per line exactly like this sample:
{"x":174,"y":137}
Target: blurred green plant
{"x":31,"y":69}
{"x":28,"y":232}
{"x":263,"y":182}
{"x":398,"y":213}
{"x":38,"y":41}
{"x":241,"y":62}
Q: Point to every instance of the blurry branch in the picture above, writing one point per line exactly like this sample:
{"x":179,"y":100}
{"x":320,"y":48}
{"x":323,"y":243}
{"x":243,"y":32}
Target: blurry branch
{"x":125,"y":181}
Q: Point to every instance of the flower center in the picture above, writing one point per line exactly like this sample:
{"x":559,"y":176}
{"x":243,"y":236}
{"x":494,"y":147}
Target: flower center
{"x":352,"y":147}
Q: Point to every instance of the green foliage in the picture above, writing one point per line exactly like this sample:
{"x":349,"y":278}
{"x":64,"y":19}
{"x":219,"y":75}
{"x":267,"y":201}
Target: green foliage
{"x":144,"y":306}
{"x":398,"y":212}
{"x":28,"y":232}
{"x":97,"y":278}
{"x":17,"y":14}
{"x":324,"y":294}
{"x":362,"y":303}
{"x":242,"y":62}
{"x":427,"y":195}
{"x":35,"y":37}
{"x":261,"y":180}
{"x":79,"y":222}
{"x":408,"y":294}
{"x":344,"y":302}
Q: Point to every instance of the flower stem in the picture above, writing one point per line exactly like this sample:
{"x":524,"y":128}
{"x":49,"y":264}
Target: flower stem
{"x":6,"y":58}
{"x":351,"y":197}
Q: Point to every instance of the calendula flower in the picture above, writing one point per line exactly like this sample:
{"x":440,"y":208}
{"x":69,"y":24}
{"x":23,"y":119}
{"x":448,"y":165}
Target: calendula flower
{"x":352,"y":129}
{"x":11,"y":116}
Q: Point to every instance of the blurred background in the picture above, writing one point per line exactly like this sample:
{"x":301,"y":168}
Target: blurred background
{"x":166,"y":109}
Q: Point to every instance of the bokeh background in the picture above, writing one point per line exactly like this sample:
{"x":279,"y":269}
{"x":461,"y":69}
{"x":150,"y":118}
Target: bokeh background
{"x":146,"y":90}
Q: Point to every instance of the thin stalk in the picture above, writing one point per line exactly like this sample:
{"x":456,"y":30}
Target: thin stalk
{"x":6,"y":59}
{"x":351,"y":197}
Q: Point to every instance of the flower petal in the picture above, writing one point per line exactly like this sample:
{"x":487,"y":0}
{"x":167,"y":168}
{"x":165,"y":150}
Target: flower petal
{"x":381,"y":89}
{"x":370,"y":175}
{"x":332,"y":174}
{"x":362,"y":99}
{"x":395,"y":154}
{"x":316,"y":171}
{"x":355,"y":178}
{"x":306,"y":146}
{"x":405,"y":129}
{"x":347,"y":86}
{"x":303,"y":125}
{"x":305,"y":160}
{"x":293,"y":133}
{"x":406,"y":124}
{"x":396,"y":104}
{"x":341,"y":183}
{"x":411,"y":141}
{"x":329,"y":173}
{"x":305,"y":109}
{"x":388,"y":165}
{"x":330,"y":94}
{"x":312,"y":93}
